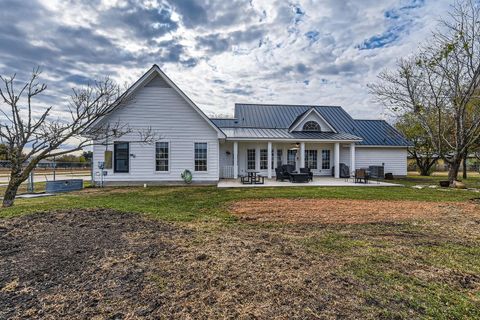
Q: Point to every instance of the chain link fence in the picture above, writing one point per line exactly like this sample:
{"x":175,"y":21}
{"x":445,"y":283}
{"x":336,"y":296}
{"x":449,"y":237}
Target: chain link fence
{"x":47,"y":171}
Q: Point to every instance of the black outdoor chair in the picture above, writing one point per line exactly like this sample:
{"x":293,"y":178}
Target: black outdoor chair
{"x":281,"y":174}
{"x":307,"y":170}
{"x":289,"y":168}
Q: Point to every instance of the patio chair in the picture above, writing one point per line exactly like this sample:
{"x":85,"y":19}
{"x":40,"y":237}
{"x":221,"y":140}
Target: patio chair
{"x":307,"y":170}
{"x":289,"y":168}
{"x":361,"y":174}
{"x":281,"y":174}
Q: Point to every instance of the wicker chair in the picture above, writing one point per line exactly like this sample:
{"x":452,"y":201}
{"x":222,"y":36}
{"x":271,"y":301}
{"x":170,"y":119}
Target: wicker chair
{"x":307,"y":170}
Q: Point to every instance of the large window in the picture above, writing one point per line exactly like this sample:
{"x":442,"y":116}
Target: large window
{"x":325,"y":159}
{"x":121,"y":156}
{"x":311,"y":126}
{"x":200,"y":156}
{"x":161,"y":156}
{"x":250,"y":159}
{"x":311,"y":159}
{"x":263,"y":159}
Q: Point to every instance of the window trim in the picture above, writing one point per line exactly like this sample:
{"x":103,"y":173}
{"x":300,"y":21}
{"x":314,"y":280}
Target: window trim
{"x":115,"y":170}
{"x":155,"y":157}
{"x":312,"y":161}
{"x":312,"y":121}
{"x":329,"y":159}
{"x":254,"y":158}
{"x":207,"y":164}
{"x":265,"y":161}
{"x":290,"y":151}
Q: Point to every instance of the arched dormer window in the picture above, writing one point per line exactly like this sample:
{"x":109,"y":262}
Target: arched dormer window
{"x":311,"y":126}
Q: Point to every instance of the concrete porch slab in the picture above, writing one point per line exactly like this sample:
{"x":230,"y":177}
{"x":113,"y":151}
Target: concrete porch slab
{"x":317,"y":182}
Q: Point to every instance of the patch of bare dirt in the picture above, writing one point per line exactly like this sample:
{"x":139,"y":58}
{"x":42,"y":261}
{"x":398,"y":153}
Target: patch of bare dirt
{"x":337,"y":211}
{"x":100,"y":264}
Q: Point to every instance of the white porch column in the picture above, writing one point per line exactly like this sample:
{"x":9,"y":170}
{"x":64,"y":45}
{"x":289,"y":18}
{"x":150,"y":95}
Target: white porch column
{"x":284,"y":155}
{"x":336,"y":157}
{"x":302,"y":154}
{"x":257,"y":158}
{"x":269,"y":157}
{"x":275,"y":156}
{"x":352,"y":157}
{"x":235,"y":160}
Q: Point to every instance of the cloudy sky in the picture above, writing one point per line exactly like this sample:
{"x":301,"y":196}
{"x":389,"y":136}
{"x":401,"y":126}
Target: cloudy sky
{"x":219,"y":52}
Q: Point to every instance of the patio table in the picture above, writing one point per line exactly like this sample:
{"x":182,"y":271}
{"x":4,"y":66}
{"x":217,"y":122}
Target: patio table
{"x":253,"y":178}
{"x":299,"y":177}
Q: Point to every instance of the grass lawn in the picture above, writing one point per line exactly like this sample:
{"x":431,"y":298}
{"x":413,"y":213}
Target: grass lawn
{"x":187,"y":251}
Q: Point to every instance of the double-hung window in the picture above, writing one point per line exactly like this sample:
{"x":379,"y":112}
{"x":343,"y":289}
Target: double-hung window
{"x":162,"y":154}
{"x":263,"y":159}
{"x":311,"y":159}
{"x":250,"y":159}
{"x":201,"y":151}
{"x":121,"y":154}
{"x":325,"y":159}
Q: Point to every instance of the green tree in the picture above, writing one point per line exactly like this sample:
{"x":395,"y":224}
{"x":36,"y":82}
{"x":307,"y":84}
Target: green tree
{"x":422,"y":151}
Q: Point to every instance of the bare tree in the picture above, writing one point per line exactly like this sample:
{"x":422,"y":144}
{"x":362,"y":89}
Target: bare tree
{"x":440,"y":85}
{"x":31,"y":133}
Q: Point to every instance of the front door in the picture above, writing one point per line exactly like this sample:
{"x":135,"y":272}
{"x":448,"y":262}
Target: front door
{"x":292,"y":158}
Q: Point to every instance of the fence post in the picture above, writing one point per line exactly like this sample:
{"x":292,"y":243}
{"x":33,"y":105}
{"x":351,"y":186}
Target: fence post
{"x":92,"y":181}
{"x":54,"y":169}
{"x":30,"y":185}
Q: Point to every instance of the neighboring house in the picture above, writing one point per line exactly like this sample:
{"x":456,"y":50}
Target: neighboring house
{"x":260,"y":137}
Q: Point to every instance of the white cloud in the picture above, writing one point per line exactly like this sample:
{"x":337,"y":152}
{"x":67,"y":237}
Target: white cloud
{"x":222,"y":52}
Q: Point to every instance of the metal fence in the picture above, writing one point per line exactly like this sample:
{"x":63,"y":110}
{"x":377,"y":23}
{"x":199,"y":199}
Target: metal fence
{"x":6,"y":164}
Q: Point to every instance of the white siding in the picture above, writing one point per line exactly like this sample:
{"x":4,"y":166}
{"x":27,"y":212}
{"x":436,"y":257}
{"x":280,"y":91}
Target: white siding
{"x":175,"y":121}
{"x":394,"y":159}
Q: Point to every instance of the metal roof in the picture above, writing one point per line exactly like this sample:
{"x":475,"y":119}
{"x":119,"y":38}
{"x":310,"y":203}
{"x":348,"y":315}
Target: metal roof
{"x":273,"y":116}
{"x":261,"y":133}
{"x":379,"y":132}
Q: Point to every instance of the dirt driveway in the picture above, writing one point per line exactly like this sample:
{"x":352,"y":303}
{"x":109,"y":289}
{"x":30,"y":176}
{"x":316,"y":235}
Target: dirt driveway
{"x":332,"y":211}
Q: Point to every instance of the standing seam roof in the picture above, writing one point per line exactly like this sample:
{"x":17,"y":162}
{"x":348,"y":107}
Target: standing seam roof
{"x":265,"y":116}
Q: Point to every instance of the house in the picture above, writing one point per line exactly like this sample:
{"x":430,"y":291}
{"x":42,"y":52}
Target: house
{"x":260,"y":137}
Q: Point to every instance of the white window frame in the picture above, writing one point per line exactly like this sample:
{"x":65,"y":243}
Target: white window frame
{"x":307,"y":158}
{"x":194,"y":167}
{"x":265,"y":161}
{"x":329,"y":159}
{"x":311,"y":121}
{"x":169,"y":157}
{"x":254,"y":159}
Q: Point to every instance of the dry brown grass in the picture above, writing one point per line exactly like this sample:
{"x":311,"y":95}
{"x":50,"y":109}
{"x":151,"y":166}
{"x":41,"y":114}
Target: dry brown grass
{"x":333,"y":211}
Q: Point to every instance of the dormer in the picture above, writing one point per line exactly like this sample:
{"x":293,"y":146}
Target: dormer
{"x":311,"y":121}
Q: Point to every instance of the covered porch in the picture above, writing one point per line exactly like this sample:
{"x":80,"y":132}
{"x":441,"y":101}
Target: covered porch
{"x":322,"y":157}
{"x":317,"y":182}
